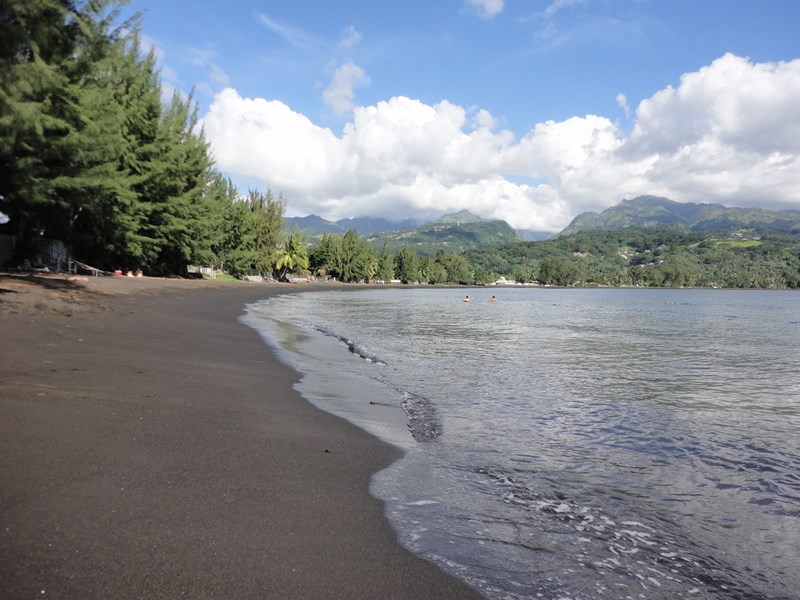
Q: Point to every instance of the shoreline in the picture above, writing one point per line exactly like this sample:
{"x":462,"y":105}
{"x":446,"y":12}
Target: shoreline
{"x":154,"y":446}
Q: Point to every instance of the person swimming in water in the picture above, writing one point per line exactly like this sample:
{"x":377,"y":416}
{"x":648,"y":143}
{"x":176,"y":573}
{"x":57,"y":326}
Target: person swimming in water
{"x":466,"y":298}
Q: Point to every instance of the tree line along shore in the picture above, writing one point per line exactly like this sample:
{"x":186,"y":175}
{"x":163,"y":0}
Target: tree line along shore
{"x":96,"y":167}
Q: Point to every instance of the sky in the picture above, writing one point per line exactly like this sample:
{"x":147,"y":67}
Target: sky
{"x":531,"y":111}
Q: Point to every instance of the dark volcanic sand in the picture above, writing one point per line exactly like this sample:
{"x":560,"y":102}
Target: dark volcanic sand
{"x":153,"y":447}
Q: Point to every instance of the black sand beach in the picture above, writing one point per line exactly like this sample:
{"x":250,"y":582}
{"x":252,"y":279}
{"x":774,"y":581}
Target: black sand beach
{"x":153,"y":447}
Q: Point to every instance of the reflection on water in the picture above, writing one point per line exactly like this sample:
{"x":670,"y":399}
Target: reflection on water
{"x":591,"y":443}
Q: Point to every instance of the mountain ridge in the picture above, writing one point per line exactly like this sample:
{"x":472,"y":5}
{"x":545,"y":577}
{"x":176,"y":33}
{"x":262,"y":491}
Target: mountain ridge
{"x":462,"y":230}
{"x":652,"y":211}
{"x":315,"y":226}
{"x":447,"y":236}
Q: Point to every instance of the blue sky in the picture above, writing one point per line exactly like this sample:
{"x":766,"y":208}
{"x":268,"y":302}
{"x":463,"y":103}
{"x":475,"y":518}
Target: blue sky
{"x":528,"y":110}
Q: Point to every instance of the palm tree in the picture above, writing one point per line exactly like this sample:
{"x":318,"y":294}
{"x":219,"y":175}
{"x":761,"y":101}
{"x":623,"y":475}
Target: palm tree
{"x":292,"y":254}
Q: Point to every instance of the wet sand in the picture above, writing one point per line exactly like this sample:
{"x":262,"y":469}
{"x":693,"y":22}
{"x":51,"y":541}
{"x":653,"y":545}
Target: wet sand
{"x":151,"y":446}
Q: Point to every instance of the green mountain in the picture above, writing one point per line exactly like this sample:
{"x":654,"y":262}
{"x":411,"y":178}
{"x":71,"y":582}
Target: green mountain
{"x":651,"y":211}
{"x":314,"y":226}
{"x":454,"y":232}
{"x":366,"y":225}
{"x":665,"y":256}
{"x":448,"y":236}
{"x":462,"y":217}
{"x":533,"y":235}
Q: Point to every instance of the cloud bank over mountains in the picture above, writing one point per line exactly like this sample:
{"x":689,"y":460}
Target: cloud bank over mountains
{"x":728,"y":133}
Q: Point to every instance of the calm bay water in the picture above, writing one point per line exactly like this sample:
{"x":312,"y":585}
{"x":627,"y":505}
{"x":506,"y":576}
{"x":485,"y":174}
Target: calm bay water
{"x":572,"y":443}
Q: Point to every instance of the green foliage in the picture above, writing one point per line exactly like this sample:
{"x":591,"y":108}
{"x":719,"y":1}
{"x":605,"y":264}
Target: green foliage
{"x":267,"y":223}
{"x":669,"y":256}
{"x":230,"y":237}
{"x":176,"y":222}
{"x":236,"y":253}
{"x":59,"y":132}
{"x":222,"y":277}
{"x":480,"y":277}
{"x":292,"y":255}
{"x":448,"y":236}
{"x":559,"y":270}
{"x":90,"y":155}
{"x":385,"y":266}
{"x":445,"y":267}
{"x":652,"y":211}
{"x":431,"y":271}
{"x":406,"y":265}
{"x":347,"y":257}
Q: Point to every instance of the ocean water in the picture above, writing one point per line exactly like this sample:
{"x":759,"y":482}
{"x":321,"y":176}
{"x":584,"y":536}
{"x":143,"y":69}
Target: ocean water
{"x":608,"y":443}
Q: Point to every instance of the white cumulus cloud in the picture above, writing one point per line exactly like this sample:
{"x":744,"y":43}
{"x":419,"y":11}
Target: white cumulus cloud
{"x":729,"y":133}
{"x":339,"y":96}
{"x":266,"y":139}
{"x":485,"y":9}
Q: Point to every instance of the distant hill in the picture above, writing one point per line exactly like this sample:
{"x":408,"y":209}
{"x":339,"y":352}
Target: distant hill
{"x":667,"y":256}
{"x":531,"y":235}
{"x":649,"y":211}
{"x":457,"y":231}
{"x":464,"y":217}
{"x":461,"y":217}
{"x":447,"y":236}
{"x":367,"y":225}
{"x":314,"y":227}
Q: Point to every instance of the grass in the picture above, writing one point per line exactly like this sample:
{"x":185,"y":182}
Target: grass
{"x":738,"y":243}
{"x":222,"y":277}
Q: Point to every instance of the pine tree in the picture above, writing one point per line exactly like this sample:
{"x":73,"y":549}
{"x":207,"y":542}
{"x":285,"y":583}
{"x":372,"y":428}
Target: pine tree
{"x":385,"y":265}
{"x":268,"y":228}
{"x":179,"y":175}
{"x":99,"y":196}
{"x":61,"y":133}
{"x":91,"y":156}
{"x":407,"y":264}
{"x":37,"y":38}
{"x":237,"y":252}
